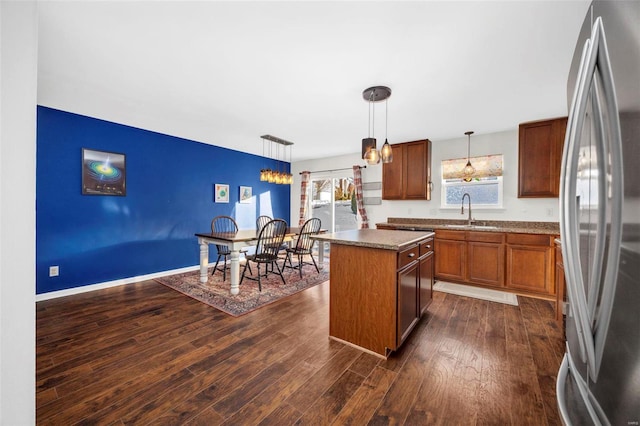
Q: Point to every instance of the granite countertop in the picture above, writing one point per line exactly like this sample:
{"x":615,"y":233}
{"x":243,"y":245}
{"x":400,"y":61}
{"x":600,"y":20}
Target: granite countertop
{"x":549,"y":228}
{"x":375,"y":238}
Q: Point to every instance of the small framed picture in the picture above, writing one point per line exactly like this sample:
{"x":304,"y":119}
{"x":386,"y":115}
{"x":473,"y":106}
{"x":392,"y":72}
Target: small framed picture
{"x":245,"y":194}
{"x":103,"y":173}
{"x":221,"y":193}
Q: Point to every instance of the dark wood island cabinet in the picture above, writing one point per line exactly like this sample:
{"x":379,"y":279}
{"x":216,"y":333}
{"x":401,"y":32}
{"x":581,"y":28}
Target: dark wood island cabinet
{"x":380,"y":286}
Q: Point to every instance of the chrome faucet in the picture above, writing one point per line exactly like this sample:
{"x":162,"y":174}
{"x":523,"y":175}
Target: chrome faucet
{"x":466,"y":194}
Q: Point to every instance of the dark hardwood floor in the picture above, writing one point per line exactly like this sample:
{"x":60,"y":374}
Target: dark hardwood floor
{"x":145,"y":354}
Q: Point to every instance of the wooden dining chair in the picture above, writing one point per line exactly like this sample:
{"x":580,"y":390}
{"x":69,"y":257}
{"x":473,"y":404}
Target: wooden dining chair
{"x":261,"y":221}
{"x":270,"y":239}
{"x":304,"y":245}
{"x":225,"y":225}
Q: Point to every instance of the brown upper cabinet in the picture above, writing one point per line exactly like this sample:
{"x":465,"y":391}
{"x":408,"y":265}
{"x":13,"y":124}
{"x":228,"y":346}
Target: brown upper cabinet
{"x":408,"y":176}
{"x":540,"y":158}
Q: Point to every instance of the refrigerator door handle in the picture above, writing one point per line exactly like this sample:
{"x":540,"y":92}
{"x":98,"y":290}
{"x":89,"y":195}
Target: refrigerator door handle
{"x":569,"y":224}
{"x":596,"y":277}
{"x":616,"y":189}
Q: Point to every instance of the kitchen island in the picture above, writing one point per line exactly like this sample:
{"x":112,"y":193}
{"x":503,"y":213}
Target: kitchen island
{"x":380,"y":286}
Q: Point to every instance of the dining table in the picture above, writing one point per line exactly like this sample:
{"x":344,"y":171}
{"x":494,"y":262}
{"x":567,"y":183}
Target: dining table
{"x":236,"y":241}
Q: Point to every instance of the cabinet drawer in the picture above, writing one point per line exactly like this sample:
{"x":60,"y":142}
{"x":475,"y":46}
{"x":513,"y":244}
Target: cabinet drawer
{"x":407,"y":256}
{"x":450,"y":235}
{"x":486,"y":237}
{"x":426,"y":246}
{"x":530,"y":239}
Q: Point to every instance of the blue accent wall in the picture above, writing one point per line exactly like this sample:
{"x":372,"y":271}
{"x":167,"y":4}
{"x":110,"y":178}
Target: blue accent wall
{"x":169,"y":197}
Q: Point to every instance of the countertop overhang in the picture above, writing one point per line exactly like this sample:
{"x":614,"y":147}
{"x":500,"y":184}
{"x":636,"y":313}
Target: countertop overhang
{"x":386,"y":239}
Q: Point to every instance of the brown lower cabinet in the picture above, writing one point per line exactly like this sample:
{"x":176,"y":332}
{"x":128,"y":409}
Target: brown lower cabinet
{"x":415,"y":286}
{"x":451,"y":255}
{"x":470,"y":257}
{"x":408,"y":298}
{"x":530,"y":263}
{"x":377,"y":296}
{"x":522,"y":263}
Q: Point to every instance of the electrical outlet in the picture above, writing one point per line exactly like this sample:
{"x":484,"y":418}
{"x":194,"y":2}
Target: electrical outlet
{"x":550,"y":211}
{"x":54,"y":271}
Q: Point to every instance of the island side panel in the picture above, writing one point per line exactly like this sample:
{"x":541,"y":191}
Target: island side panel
{"x":363,"y":296}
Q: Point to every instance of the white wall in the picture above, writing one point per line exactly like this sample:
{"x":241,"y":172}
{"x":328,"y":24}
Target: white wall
{"x":506,"y":143}
{"x":18,"y":78}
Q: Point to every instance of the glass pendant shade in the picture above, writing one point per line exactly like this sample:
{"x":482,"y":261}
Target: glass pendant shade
{"x":367,"y":144}
{"x":386,"y":153}
{"x":372,"y":157}
{"x":468,"y":171}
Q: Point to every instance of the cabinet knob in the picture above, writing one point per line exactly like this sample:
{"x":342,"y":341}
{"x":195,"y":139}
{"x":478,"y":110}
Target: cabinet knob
{"x":412,"y":254}
{"x":428,"y":246}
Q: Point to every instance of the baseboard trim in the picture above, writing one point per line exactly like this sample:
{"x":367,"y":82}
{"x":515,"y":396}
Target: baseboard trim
{"x":109,"y":284}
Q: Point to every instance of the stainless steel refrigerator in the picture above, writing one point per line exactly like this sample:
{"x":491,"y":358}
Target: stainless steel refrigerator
{"x":599,"y":379}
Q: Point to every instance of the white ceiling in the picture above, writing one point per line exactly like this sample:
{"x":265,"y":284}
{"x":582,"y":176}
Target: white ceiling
{"x":225,"y":73}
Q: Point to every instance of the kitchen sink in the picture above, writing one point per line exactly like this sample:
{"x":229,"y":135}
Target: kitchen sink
{"x":471,"y":226}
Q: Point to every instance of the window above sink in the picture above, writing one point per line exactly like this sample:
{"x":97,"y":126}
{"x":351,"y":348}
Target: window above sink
{"x":485,"y":186}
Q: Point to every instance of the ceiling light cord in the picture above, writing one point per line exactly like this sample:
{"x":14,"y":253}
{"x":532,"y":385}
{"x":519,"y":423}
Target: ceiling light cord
{"x":386,"y":117}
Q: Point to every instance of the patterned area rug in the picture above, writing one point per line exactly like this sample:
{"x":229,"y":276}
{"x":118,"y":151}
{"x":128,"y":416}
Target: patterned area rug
{"x":216,"y":293}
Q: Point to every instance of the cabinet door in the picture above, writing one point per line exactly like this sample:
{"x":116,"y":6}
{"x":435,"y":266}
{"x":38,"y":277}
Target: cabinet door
{"x":451,"y":258}
{"x":529,"y":268}
{"x":426,"y":283}
{"x":539,"y":157}
{"x":408,"y":176}
{"x":486,"y":263}
{"x":408,"y":314}
{"x":392,"y":175}
{"x":417,"y":170}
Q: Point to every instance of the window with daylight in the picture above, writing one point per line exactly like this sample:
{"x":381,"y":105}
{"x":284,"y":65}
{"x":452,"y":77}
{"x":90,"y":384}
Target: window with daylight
{"x":485,"y":187}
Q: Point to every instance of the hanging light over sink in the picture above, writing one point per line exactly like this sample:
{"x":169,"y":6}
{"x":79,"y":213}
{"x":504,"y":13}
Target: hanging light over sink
{"x":468,"y":170}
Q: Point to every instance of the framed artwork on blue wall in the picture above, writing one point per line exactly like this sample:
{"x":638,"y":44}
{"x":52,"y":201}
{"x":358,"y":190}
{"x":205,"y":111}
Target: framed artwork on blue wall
{"x":221,"y":193}
{"x":103,"y":173}
{"x":245,"y":194}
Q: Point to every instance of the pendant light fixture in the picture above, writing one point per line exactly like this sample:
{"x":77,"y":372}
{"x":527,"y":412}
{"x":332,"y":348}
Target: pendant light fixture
{"x":468,"y":170}
{"x":276,"y":176}
{"x":386,"y":153}
{"x":370,"y":151}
